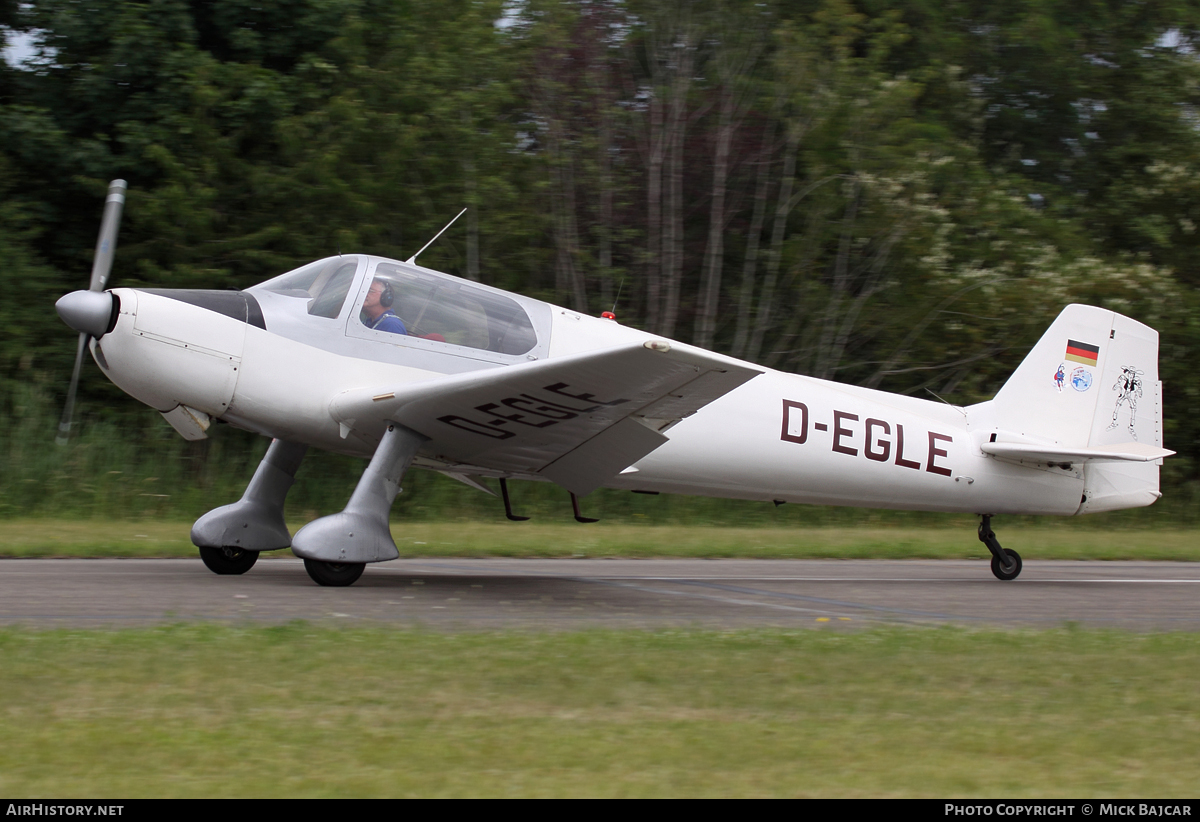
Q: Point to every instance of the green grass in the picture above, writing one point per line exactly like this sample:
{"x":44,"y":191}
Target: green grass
{"x":955,"y":540}
{"x":298,"y":710}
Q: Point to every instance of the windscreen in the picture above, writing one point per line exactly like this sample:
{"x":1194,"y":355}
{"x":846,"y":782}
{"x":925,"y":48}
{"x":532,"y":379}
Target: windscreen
{"x":324,"y":284}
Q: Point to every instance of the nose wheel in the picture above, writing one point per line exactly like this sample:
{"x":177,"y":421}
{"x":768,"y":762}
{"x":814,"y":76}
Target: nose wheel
{"x":1006,"y":563}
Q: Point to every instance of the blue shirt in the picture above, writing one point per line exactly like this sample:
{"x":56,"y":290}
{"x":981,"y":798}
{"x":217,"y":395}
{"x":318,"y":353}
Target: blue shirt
{"x":388,"y":321}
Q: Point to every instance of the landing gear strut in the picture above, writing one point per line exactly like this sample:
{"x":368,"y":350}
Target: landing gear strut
{"x":1006,"y":563}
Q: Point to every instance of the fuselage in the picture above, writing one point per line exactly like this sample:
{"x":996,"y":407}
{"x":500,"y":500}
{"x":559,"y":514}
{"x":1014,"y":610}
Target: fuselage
{"x":274,"y":360}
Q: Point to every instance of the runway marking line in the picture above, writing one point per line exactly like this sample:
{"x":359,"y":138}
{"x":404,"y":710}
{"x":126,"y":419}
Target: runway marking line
{"x":877,"y":579}
{"x":652,"y":578}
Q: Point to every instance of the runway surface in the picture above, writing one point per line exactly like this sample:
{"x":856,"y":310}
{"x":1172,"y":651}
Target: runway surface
{"x":568,"y":594}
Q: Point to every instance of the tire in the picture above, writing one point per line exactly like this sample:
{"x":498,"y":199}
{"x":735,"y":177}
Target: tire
{"x":228,"y":561}
{"x":1016,"y":569}
{"x":334,"y":574}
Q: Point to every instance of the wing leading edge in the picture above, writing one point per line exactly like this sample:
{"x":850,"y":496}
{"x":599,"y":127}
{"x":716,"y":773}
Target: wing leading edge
{"x":577,"y":420}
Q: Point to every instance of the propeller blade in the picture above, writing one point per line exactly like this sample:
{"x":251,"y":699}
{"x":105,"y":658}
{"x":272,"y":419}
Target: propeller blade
{"x":106,"y":243}
{"x":106,"y":247}
{"x":64,"y":425}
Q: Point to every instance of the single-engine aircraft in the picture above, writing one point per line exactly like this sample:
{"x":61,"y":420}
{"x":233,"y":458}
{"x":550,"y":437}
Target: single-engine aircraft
{"x":407,"y":366}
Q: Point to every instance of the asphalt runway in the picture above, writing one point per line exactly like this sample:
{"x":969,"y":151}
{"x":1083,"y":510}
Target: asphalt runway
{"x":456,"y":594}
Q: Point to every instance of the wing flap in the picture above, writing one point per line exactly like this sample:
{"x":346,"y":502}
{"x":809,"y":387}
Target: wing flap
{"x":605,"y":455}
{"x":577,"y":420}
{"x":689,"y":398}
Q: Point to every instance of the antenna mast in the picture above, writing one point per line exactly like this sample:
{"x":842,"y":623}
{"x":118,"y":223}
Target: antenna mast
{"x":618,"y":297}
{"x":413,"y":258}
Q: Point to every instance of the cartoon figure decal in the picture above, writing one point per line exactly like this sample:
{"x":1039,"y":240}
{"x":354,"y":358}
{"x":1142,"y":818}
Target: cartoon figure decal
{"x":1060,"y":376}
{"x":1129,"y":389}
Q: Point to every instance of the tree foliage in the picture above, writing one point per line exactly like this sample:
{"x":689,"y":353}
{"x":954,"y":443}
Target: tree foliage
{"x":896,"y":194}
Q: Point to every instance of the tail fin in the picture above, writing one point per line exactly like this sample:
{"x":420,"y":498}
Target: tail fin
{"x":1091,"y":381}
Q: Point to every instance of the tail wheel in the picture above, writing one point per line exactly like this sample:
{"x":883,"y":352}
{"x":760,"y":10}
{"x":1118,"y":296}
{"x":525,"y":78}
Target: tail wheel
{"x":228,"y":560}
{"x":334,"y":574}
{"x":1013,"y":572}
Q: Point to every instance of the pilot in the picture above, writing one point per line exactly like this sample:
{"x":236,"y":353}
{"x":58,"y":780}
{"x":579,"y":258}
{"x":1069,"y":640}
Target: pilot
{"x":378,"y":309}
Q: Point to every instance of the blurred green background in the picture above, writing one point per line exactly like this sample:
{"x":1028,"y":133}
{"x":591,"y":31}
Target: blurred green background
{"x":900,"y":195}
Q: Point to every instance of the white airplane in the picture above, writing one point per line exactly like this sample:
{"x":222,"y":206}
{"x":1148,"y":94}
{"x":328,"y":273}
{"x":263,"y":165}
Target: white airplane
{"x":406,"y":366}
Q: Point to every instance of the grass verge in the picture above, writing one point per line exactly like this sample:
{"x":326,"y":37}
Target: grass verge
{"x":153,"y":538}
{"x":203,"y":710}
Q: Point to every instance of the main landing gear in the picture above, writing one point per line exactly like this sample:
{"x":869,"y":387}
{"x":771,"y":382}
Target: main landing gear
{"x":336,"y":548}
{"x":231,"y":537}
{"x":228,"y":561}
{"x":1006,"y":563}
{"x":334,"y":574}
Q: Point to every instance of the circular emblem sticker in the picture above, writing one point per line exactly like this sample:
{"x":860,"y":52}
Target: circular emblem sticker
{"x":1081,"y":379}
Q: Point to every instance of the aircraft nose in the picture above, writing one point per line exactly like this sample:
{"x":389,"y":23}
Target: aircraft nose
{"x":89,"y":312}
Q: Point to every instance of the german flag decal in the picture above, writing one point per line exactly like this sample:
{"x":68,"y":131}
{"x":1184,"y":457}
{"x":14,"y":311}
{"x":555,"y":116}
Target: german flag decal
{"x":1082,"y":352}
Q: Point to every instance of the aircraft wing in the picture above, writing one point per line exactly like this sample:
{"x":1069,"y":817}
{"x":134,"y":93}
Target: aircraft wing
{"x":1027,"y":452}
{"x":577,"y":420}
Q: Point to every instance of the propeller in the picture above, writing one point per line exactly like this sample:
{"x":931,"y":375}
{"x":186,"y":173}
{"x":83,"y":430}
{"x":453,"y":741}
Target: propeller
{"x":92,"y":313}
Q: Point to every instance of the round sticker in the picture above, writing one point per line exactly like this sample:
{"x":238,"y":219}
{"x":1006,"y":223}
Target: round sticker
{"x":1081,"y":379}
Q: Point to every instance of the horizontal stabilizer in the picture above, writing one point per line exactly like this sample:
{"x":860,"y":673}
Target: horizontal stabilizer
{"x":1029,"y":452}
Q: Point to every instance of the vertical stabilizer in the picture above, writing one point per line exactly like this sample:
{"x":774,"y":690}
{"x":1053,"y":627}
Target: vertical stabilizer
{"x":1091,"y":380}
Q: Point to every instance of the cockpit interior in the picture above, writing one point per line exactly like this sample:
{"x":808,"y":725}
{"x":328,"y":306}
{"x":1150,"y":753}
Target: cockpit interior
{"x":430,"y":306}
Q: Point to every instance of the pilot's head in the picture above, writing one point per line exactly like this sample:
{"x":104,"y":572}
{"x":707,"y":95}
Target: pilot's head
{"x":379,"y":298}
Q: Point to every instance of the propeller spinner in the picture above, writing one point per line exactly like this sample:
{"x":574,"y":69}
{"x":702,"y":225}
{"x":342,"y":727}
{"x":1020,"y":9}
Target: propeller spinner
{"x":93,"y":313}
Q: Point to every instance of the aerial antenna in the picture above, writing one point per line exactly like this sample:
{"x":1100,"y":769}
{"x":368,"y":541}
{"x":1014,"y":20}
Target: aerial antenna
{"x":618,"y":297}
{"x":413,"y":258}
{"x":952,"y":405}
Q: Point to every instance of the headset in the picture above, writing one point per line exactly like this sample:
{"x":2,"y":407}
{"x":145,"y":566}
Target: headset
{"x":386,"y":297}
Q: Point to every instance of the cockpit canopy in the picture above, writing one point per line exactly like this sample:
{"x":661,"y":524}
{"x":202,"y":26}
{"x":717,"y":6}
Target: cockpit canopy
{"x":430,"y":305}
